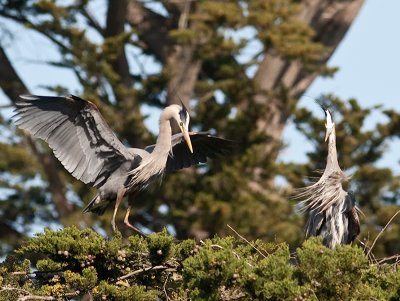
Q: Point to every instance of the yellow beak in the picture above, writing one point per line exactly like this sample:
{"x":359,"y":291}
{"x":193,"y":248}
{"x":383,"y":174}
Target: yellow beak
{"x":187,"y":139}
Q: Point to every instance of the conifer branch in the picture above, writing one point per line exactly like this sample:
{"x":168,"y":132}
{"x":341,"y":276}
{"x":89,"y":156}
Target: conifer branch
{"x":146,"y":269}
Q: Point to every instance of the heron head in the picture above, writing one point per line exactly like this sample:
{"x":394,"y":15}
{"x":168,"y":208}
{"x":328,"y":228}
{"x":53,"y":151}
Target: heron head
{"x":183,"y":118}
{"x":329,"y":124}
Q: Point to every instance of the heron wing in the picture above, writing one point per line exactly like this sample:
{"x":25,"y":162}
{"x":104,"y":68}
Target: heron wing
{"x":204,"y":146}
{"x":76,"y":132}
{"x":354,"y":225}
{"x":350,"y":211}
{"x":315,"y":223}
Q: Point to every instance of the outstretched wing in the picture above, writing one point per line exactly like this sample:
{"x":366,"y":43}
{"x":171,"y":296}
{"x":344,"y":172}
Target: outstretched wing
{"x":204,"y":146}
{"x":77,"y":133}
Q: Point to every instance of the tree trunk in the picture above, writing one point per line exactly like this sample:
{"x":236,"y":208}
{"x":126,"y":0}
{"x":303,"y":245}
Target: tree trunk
{"x":181,"y":67}
{"x":115,"y":26}
{"x":330,"y":20}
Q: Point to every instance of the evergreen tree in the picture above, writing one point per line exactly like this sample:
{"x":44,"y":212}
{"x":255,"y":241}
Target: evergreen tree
{"x":82,"y":265}
{"x":195,"y":45}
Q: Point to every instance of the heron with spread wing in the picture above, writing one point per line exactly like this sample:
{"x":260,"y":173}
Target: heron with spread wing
{"x":87,"y":147}
{"x":332,"y":212}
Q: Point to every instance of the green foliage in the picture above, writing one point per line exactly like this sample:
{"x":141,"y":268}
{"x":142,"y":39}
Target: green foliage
{"x":160,"y":246}
{"x":355,"y":278}
{"x":217,"y":269}
{"x":105,"y":291}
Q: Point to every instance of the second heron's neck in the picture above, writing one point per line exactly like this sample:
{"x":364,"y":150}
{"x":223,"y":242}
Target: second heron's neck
{"x":332,"y":162}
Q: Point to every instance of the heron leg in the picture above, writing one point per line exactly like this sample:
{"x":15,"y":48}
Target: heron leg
{"x":120,"y":196}
{"x":126,"y":222}
{"x":128,"y":211}
{"x":126,"y":219}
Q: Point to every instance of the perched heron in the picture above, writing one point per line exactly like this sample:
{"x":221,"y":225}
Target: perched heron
{"x":332,"y":210}
{"x":88,"y":148}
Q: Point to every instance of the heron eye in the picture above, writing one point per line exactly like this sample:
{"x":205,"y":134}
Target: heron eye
{"x":181,"y":123}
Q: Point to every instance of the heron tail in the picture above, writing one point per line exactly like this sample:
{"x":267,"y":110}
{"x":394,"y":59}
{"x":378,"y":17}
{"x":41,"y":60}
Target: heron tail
{"x":97,"y":205}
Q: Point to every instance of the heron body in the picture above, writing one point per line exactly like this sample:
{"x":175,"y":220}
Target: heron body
{"x":87,"y":147}
{"x":332,"y":212}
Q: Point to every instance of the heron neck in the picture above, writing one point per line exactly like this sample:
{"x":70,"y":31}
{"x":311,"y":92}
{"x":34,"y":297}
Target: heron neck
{"x":163,"y":145}
{"x":332,"y":161}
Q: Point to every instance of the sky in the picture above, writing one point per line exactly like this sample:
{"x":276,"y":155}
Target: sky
{"x":369,"y":65}
{"x":368,"y":61}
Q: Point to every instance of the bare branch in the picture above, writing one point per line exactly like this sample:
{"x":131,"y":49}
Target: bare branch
{"x":92,"y":21}
{"x":35,"y":297}
{"x":165,"y":287}
{"x":146,"y":269}
{"x":26,"y":295}
{"x":26,"y":22}
{"x":248,"y":242}
{"x":390,"y":258}
{"x":381,"y":232}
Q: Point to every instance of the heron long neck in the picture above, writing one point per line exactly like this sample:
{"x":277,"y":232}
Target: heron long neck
{"x":332,"y":160}
{"x":163,"y":145}
{"x":154,"y":164}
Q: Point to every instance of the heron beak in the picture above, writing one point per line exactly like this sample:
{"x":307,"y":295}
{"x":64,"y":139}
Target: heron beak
{"x":187,"y":139}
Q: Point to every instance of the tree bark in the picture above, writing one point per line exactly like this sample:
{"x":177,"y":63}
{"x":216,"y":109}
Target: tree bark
{"x":115,"y":25}
{"x":152,"y":29}
{"x":330,"y":20}
{"x":181,"y":67}
{"x":13,"y":86}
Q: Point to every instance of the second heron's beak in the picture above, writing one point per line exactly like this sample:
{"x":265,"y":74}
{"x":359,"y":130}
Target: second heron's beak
{"x":187,"y":138}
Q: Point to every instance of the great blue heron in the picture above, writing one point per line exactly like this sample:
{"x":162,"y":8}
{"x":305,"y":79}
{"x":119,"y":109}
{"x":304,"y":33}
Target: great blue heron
{"x":87,"y":147}
{"x":332,"y":210}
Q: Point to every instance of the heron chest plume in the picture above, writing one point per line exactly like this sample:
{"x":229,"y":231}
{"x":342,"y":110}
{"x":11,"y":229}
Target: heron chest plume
{"x":154,"y":164}
{"x":331,"y":209}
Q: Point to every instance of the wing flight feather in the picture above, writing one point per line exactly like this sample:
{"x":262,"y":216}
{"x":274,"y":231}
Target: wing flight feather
{"x":76,"y":132}
{"x":204,"y":146}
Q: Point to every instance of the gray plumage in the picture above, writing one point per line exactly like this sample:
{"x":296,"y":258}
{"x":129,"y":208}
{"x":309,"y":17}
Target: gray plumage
{"x":332,"y":212}
{"x":86,"y":146}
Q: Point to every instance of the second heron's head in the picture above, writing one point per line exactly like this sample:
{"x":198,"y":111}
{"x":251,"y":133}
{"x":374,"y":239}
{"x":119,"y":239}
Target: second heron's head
{"x":329,"y":124}
{"x":181,"y":116}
